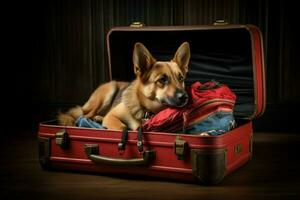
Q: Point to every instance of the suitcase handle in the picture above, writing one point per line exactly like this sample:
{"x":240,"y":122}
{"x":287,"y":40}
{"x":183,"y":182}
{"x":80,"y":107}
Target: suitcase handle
{"x":92,"y":152}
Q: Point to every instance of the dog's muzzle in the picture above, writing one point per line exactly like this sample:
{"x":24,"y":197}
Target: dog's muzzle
{"x":179,"y":99}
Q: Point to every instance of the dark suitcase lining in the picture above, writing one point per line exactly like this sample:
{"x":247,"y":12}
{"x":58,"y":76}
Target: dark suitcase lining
{"x":224,"y":55}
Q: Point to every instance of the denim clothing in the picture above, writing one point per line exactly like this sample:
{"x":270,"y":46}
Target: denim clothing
{"x":216,"y":124}
{"x":87,"y":123}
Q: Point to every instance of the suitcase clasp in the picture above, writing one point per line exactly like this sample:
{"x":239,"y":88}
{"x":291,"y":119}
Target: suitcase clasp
{"x":180,"y":148}
{"x":62,"y":139}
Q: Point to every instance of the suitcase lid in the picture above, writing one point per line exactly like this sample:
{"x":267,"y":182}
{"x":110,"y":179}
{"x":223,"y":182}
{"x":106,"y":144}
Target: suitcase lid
{"x":229,"y":54}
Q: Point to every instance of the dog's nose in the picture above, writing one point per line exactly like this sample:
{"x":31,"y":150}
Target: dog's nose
{"x":182,"y":98}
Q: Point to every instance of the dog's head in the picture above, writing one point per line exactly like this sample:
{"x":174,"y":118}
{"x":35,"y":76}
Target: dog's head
{"x":163,"y":81}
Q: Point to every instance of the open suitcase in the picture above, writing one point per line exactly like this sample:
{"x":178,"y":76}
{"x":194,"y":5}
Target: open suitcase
{"x":230,"y":54}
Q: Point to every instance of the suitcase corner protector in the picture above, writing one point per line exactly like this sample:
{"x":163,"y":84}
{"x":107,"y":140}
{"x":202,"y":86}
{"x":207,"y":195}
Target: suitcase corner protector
{"x":209,"y":165}
{"x":44,"y":152}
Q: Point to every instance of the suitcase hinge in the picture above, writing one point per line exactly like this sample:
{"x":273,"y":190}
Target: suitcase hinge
{"x":137,"y":25}
{"x":180,"y":148}
{"x":62,"y":139}
{"x":220,"y":22}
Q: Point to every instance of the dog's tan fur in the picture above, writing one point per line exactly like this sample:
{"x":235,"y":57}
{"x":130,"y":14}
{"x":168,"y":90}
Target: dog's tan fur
{"x":122,"y":105}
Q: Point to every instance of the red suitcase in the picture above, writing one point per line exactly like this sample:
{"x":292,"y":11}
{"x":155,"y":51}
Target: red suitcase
{"x":230,"y":54}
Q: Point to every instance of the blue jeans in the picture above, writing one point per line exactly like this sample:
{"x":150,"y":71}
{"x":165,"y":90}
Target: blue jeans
{"x":216,"y":124}
{"x":87,"y":123}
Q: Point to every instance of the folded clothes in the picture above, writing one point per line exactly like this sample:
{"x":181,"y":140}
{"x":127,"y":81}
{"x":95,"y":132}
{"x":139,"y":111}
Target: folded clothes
{"x":216,"y":124}
{"x":208,"y":112}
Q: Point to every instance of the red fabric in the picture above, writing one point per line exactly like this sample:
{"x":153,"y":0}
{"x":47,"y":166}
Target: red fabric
{"x":203,"y":99}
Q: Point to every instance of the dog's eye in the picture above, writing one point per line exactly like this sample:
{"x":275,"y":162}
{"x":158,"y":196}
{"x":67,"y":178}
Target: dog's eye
{"x":180,"y":78}
{"x":163,"y":80}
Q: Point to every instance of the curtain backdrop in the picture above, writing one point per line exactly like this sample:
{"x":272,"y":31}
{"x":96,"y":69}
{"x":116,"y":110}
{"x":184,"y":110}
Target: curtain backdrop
{"x":69,"y":56}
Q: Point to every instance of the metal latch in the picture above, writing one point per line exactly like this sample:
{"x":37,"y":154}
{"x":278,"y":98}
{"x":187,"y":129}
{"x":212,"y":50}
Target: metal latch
{"x":62,"y":138}
{"x":91,"y":149}
{"x":180,"y":148}
{"x":238,"y":149}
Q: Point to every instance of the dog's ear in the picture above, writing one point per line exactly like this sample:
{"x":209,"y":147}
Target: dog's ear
{"x":182,"y":57}
{"x":142,"y":59}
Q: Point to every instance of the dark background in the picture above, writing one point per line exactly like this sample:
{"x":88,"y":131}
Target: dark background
{"x":57,"y":50}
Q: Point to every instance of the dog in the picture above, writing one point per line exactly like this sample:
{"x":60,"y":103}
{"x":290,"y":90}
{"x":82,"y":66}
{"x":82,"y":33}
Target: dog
{"x":123,"y":105}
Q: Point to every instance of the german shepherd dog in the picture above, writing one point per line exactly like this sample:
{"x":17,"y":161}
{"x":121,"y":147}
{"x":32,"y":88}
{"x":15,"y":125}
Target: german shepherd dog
{"x":123,"y":105}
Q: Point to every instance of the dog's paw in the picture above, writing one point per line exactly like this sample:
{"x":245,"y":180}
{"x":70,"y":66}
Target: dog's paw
{"x":98,"y":119}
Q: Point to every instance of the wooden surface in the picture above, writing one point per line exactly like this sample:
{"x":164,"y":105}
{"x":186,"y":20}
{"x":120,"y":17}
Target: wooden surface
{"x":273,"y":173}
